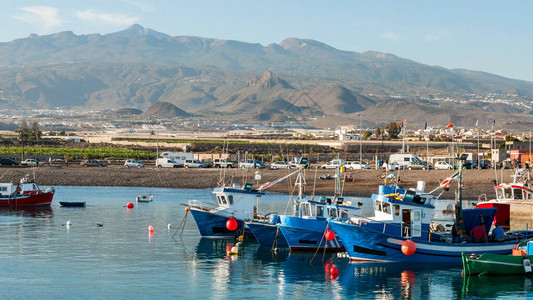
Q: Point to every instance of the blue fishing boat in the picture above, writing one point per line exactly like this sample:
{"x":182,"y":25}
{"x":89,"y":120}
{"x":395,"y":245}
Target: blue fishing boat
{"x":231,"y":202}
{"x":400,"y":231}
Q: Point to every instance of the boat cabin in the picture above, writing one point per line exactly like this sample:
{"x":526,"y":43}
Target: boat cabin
{"x":25,"y":187}
{"x":510,"y":192}
{"x":238,"y":202}
{"x":326,"y":208}
{"x":412,"y":209}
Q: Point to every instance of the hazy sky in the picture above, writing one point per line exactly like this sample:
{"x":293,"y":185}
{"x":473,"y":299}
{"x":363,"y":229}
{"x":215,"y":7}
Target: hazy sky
{"x":490,"y":36}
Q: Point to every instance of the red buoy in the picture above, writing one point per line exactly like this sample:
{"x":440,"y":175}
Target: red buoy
{"x":334,"y":272}
{"x":187,"y":209}
{"x":129,"y":205}
{"x":330,"y":235}
{"x":231,"y":224}
{"x":408,"y":247}
{"x":151,"y":229}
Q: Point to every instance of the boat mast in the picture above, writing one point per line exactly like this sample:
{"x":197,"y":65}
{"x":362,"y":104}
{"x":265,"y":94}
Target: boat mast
{"x":459,"y":202}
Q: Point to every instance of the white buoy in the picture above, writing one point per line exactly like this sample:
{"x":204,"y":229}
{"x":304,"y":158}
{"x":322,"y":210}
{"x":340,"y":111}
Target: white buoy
{"x":68,"y":223}
{"x":169,"y":226}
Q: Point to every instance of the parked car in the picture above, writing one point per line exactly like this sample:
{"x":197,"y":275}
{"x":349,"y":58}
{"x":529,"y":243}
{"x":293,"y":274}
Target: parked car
{"x":133,"y":163}
{"x":485,"y":164}
{"x":194,"y":163}
{"x":166,"y":163}
{"x":223,"y":163}
{"x":333,"y":164}
{"x":280,"y":165}
{"x":357,"y":165}
{"x":93,"y":163}
{"x":31,"y":162}
{"x":8,"y":162}
{"x":301,"y":162}
{"x":251,"y":163}
{"x":443,"y":165}
{"x":395,"y":166}
{"x":418,"y":166}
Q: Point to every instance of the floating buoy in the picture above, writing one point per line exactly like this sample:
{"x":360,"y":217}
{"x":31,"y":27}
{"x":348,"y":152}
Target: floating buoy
{"x":151,"y":229}
{"x":334,"y":272}
{"x":330,"y":235}
{"x":187,"y":209}
{"x":234,"y":250}
{"x":129,"y":205}
{"x":408,"y":247}
{"x":231,"y":224}
{"x":168,"y":225}
{"x":68,"y":223}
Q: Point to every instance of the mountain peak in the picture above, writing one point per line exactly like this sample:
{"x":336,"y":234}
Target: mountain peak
{"x":295,"y":43}
{"x":138,"y":30}
{"x":268,"y":80}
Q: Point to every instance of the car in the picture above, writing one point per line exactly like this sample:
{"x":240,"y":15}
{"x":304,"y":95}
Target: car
{"x":133,"y":163}
{"x":485,"y":164}
{"x":93,"y":163}
{"x":223,"y":163}
{"x":418,"y":166}
{"x":251,"y":163}
{"x":333,"y":164}
{"x":301,"y":162}
{"x":357,"y":165}
{"x":280,"y":165}
{"x":8,"y":162}
{"x":443,"y":165}
{"x":394,"y":166}
{"x":194,"y":163}
{"x":31,"y":162}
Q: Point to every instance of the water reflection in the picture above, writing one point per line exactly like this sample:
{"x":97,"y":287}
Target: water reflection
{"x":497,"y":286}
{"x":34,"y":212}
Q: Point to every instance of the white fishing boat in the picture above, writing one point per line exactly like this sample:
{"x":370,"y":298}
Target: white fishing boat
{"x":145,"y":198}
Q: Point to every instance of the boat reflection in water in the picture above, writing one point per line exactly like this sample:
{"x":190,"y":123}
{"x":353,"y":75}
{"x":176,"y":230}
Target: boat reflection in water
{"x":35,"y":211}
{"x":515,"y":287}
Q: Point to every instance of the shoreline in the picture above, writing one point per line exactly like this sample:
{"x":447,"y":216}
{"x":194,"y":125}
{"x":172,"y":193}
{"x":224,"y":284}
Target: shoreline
{"x":476,"y":182}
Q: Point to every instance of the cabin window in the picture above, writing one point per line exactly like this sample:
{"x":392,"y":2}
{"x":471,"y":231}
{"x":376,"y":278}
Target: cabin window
{"x":332,"y":212}
{"x":223,"y":200}
{"x":396,"y":209}
{"x":344,"y":214}
{"x":508,"y":194}
{"x":306,"y":210}
{"x":499,"y":193}
{"x":377,"y":205}
{"x":407,"y":159}
{"x":230,"y":199}
{"x":517,"y":194}
{"x":386,"y":208}
{"x":320,"y":211}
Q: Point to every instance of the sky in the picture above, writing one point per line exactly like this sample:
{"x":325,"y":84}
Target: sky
{"x":489,"y":36}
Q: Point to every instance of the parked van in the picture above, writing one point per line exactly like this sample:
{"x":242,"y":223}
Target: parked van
{"x":166,"y":163}
{"x":409,"y":161}
{"x":179,"y":157}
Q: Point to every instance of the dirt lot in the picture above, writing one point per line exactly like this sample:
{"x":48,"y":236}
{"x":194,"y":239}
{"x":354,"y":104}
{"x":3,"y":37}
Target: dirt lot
{"x":476,"y":182}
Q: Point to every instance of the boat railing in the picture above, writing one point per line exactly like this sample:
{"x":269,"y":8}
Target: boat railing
{"x":201,"y":205}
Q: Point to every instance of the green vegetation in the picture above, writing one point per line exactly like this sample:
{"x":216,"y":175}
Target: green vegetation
{"x":29,"y":133}
{"x":85,"y":153}
{"x":392,"y":130}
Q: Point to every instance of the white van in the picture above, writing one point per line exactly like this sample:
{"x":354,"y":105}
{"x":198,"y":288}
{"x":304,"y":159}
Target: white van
{"x":166,"y":163}
{"x":408,"y":161}
{"x":179,"y":157}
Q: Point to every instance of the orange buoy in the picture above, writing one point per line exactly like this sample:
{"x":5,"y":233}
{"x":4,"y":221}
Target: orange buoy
{"x":330,"y":235}
{"x":231,"y":224}
{"x":151,"y":229}
{"x":408,"y":247}
{"x":187,"y":209}
{"x":129,"y":205}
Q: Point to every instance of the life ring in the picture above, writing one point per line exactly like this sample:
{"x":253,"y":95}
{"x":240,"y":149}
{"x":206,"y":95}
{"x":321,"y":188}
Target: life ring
{"x":445,"y":183}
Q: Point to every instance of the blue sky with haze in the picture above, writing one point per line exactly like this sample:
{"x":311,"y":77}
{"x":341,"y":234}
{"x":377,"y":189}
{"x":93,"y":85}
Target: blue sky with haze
{"x":489,"y":36}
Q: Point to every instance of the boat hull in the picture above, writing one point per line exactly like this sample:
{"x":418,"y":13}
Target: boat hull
{"x":212,"y":225}
{"x":493,"y":264}
{"x":307,"y":234}
{"x":364,"y":244}
{"x":267,"y":234}
{"x":41,"y":199}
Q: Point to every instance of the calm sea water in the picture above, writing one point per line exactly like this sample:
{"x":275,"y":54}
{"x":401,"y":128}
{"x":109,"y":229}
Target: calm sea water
{"x":42,"y":258}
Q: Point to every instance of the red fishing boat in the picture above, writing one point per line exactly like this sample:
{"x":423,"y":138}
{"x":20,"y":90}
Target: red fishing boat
{"x":24,"y":194}
{"x":506,"y":193}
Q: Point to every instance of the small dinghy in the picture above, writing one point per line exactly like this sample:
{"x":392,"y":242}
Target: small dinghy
{"x":72,"y":204}
{"x":145,"y":198}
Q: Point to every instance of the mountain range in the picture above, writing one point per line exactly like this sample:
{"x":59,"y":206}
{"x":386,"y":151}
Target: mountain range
{"x":295,"y":80}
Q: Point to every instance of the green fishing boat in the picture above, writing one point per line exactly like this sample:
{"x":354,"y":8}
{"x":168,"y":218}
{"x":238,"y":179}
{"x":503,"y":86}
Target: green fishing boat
{"x":496,"y":264}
